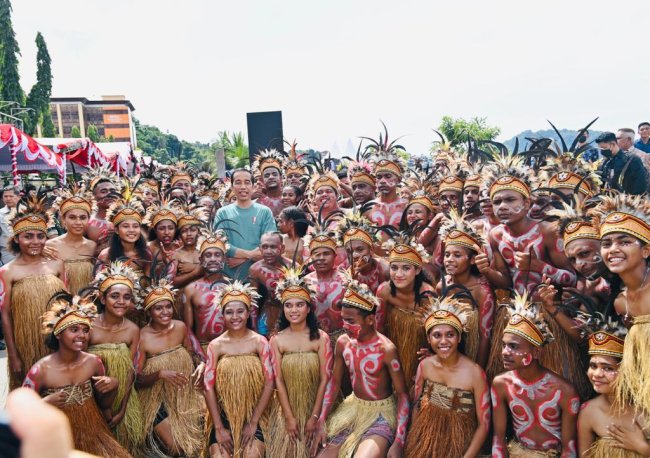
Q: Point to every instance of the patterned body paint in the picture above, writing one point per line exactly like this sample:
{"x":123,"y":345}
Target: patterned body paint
{"x":210,"y":374}
{"x":267,"y":360}
{"x":532,"y":242}
{"x":484,"y":413}
{"x":208,"y":319}
{"x":273,"y":203}
{"x":535,"y":411}
{"x":3,"y":290}
{"x":388,"y":213}
{"x":30,"y":379}
{"x":486,"y":309}
{"x":402,"y":418}
{"x":372,"y":279}
{"x":365,"y":364}
{"x":329,"y":294}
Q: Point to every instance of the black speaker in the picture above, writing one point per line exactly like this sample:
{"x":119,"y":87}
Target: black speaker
{"x":264,"y":131}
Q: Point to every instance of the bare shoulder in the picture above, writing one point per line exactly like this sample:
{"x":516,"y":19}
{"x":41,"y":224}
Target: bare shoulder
{"x":383,"y":290}
{"x":103,"y":255}
{"x":389,"y":346}
{"x":180,"y":326}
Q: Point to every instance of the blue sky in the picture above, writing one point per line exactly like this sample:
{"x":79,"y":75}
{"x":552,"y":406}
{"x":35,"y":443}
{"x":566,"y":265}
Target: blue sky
{"x":335,"y":68}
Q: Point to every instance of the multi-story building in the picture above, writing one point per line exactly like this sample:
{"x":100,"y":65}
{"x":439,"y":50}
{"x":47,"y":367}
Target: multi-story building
{"x":112,"y":116}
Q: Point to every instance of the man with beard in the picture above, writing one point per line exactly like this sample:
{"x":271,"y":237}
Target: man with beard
{"x":102,"y":185}
{"x":270,"y":167}
{"x":245,"y":221}
{"x":201,"y":314}
{"x":523,"y":249}
{"x":264,"y":276}
{"x":542,"y":406}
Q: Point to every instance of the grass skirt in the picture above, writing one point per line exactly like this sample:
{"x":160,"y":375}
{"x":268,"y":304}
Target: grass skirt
{"x":406,"y":330}
{"x":603,"y":447}
{"x":79,"y":273}
{"x":516,"y":450}
{"x":564,"y":357}
{"x":183,"y":406}
{"x":239,"y":385}
{"x":633,"y":382}
{"x":89,"y":429}
{"x":445,"y":425}
{"x":117,"y":361}
{"x":301,"y":375}
{"x":29,"y":298}
{"x":495,"y":360}
{"x":357,"y":416}
{"x":472,"y":336}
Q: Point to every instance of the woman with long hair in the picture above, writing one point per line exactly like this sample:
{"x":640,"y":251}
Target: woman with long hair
{"x":172,"y":409}
{"x":292,"y":223}
{"x":26,"y":284}
{"x":238,"y":379}
{"x":451,"y":416}
{"x":607,"y":429}
{"x":73,"y":380}
{"x":76,"y":251}
{"x":401,"y":299}
{"x":302,"y":356}
{"x":115,"y":340}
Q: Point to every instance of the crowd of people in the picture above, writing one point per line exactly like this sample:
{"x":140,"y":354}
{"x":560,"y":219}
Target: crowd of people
{"x":492,"y":303}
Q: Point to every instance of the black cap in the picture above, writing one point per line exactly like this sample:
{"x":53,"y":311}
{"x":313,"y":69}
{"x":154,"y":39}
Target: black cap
{"x":606,"y":137}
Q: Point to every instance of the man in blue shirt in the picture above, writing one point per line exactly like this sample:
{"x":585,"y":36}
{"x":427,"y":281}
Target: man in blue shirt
{"x":245,"y":222}
{"x":643,"y":143}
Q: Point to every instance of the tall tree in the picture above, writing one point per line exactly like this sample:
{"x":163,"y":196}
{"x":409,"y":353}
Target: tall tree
{"x":75,"y":132}
{"x":456,"y":130}
{"x":39,"y":96}
{"x":92,"y":133}
{"x":10,"y":89}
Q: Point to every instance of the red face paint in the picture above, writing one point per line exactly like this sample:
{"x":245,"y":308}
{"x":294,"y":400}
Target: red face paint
{"x":528,"y":359}
{"x":352,"y":330}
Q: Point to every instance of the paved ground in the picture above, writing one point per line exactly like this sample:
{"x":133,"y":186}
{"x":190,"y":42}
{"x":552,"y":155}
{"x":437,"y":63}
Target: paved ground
{"x":4,"y":382}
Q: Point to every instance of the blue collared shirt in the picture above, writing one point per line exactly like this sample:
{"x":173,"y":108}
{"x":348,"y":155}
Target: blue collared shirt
{"x":645,"y":147}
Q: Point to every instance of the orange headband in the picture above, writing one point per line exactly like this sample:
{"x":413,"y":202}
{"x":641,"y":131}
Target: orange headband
{"x":510,"y":183}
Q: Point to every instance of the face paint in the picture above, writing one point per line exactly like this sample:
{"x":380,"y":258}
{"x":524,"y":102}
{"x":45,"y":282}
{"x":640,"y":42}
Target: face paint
{"x":352,"y":330}
{"x":527,"y":359}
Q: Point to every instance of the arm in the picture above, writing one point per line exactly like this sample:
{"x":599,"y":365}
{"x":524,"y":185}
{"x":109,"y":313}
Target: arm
{"x":391,"y":362}
{"x":570,"y":405}
{"x":496,"y":272}
{"x":264,"y":352}
{"x":486,"y":300}
{"x":547,"y":295}
{"x":417,"y":392}
{"x":135,"y":341}
{"x":15,"y":363}
{"x":326,"y":361}
{"x":482,"y":402}
{"x":499,"y":419}
{"x":382,"y":309}
{"x":181,"y":280}
{"x":291,"y":425}
{"x":430,"y":232}
{"x":105,"y":388}
{"x":586,"y":435}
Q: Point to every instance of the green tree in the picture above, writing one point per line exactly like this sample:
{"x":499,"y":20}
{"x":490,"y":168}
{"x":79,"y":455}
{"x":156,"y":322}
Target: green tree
{"x":75,"y":132}
{"x":92,"y":133}
{"x":10,"y":89}
{"x":457,"y":129}
{"x":39,"y":96}
{"x":235,"y":150}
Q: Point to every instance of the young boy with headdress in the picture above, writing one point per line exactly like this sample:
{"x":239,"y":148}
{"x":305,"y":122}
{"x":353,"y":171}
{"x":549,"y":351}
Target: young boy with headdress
{"x":270,"y":164}
{"x":102,"y":183}
{"x":372,"y":421}
{"x":541,"y":405}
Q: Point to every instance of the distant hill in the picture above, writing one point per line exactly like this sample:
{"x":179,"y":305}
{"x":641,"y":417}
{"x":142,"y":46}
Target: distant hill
{"x":568,"y":135}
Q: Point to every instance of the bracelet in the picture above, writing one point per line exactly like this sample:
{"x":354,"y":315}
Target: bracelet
{"x":315,"y":416}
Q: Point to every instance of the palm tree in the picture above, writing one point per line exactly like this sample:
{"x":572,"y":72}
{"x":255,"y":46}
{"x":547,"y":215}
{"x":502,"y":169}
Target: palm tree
{"x":236,"y":151}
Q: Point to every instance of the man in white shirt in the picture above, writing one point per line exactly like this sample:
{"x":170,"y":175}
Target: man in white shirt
{"x":10,"y":198}
{"x":625,"y":139}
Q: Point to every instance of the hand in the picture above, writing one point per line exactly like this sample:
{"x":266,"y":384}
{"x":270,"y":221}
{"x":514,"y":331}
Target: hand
{"x":248,"y":435}
{"x":175,"y":378}
{"x":482,"y":262}
{"x":56,"y":399}
{"x":547,"y":295}
{"x":197,"y":375}
{"x":117,"y":418}
{"x":16,"y":366}
{"x":320,"y":439}
{"x":233,"y":263}
{"x":311,"y":429}
{"x":185,"y":267}
{"x":424,"y":353}
{"x":522,"y":260}
{"x":104,"y":384}
{"x":291,"y":425}
{"x":629,"y":437}
{"x":395,"y":450}
{"x":42,"y":429}
{"x":50,"y":252}
{"x":224,"y":439}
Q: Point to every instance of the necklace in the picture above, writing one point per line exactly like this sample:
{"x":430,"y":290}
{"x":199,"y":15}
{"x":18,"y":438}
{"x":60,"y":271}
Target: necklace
{"x":626,"y":317}
{"x":111,"y":329}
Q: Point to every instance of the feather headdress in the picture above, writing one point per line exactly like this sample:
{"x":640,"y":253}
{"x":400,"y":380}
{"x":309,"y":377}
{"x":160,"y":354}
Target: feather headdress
{"x":97,"y":175}
{"x":527,"y":321}
{"x":402,"y":246}
{"x":74,"y":197}
{"x":158,"y":291}
{"x":31,"y":214}
{"x":119,"y":273}
{"x":358,"y":294}
{"x":213,"y":239}
{"x":165,"y":210}
{"x":574,"y":223}
{"x":606,"y":335}
{"x":292,"y":284}
{"x":508,"y":171}
{"x":65,"y":310}
{"x":384,"y":154}
{"x":446,"y":310}
{"x":269,"y":158}
{"x":355,"y":226}
{"x":456,"y":229}
{"x":323,"y":234}
{"x":624,"y":213}
{"x":236,"y":291}
{"x":126,"y":206}
{"x":294,"y":163}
